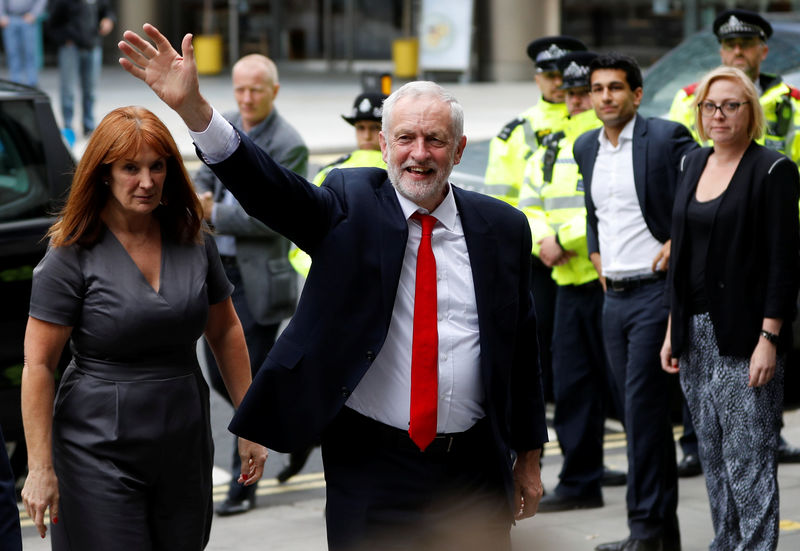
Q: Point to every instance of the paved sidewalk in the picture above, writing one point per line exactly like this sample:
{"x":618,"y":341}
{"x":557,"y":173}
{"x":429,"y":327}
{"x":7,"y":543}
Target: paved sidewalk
{"x":291,"y":517}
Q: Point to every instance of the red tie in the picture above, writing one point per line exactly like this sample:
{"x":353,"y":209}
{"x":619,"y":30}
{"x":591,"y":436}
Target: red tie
{"x":425,"y":344}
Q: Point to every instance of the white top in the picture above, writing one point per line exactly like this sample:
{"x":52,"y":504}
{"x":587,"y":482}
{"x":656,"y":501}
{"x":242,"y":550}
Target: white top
{"x":384,"y":393}
{"x":627,"y":248}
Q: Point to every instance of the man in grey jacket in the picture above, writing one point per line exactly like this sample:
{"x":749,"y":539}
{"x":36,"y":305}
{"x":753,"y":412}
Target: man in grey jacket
{"x":255,"y":257}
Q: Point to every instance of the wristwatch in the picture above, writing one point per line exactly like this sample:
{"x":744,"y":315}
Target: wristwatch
{"x":771,"y":337}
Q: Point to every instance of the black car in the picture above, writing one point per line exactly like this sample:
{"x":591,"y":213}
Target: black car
{"x":35,"y":172}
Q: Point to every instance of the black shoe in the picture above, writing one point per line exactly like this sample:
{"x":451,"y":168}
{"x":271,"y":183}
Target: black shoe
{"x":631,"y":544}
{"x":230,"y":507}
{"x":787,"y":453}
{"x":554,"y":502}
{"x":297,"y":461}
{"x":613,"y":477}
{"x":689,"y":466}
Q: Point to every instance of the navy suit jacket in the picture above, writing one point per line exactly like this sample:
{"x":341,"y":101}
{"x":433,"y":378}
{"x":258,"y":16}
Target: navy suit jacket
{"x":355,"y":231}
{"x":658,"y":147}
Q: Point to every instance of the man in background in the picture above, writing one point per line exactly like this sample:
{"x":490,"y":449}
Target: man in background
{"x":77,"y":27}
{"x":18,"y":19}
{"x":254,"y":256}
{"x":508,"y":154}
{"x":630,"y":170}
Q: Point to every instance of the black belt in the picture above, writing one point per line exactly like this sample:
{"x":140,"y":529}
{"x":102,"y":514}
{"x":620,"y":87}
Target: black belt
{"x":369,"y":430}
{"x":228,"y":261}
{"x":631,"y":283}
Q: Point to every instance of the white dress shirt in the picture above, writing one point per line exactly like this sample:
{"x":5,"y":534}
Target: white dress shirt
{"x":627,"y":248}
{"x":384,"y":393}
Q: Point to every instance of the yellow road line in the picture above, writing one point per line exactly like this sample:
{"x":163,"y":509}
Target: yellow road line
{"x":790,"y":525}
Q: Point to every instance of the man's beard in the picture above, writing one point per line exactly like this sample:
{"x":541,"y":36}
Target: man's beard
{"x":417,"y":191}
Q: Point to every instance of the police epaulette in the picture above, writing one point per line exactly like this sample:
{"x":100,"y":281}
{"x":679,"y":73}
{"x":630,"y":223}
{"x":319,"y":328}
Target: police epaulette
{"x":505,"y":133}
{"x":689,"y":90}
{"x":338,"y":161}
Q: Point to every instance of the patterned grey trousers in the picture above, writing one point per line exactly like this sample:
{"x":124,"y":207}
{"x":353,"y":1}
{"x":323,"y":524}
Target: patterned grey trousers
{"x":737,"y":429}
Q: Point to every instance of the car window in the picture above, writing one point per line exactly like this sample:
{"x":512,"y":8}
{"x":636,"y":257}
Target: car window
{"x":23,"y":187}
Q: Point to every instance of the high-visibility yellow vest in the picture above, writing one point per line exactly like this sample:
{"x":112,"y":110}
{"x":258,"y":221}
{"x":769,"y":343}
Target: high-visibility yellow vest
{"x":510,"y":150}
{"x":781,"y":104}
{"x":552,"y":197}
{"x":358,"y":158}
{"x":299,"y":259}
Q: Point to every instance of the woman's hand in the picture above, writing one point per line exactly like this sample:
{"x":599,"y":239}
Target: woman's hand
{"x":253,"y":457}
{"x":39,"y":493}
{"x":762,"y":363}
{"x":668,"y":363}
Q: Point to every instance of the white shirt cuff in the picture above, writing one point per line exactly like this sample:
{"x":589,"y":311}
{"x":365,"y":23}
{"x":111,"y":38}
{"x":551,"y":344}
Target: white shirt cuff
{"x":217,"y":142}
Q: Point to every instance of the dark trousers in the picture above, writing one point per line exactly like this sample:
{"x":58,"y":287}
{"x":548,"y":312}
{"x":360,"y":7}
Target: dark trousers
{"x":634,"y":325}
{"x":544,"y":290}
{"x":260,"y":339}
{"x":383,"y":493}
{"x":580,"y":385}
{"x":10,"y":535}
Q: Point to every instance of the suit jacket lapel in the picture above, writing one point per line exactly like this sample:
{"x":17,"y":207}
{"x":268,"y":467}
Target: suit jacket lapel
{"x":639,"y":151}
{"x":393,"y":237}
{"x":481,"y":244}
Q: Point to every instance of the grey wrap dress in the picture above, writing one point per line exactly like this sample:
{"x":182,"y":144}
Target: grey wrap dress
{"x":132,"y":445}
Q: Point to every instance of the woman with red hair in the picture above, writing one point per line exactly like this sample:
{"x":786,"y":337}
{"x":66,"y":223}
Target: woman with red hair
{"x":132,"y":280}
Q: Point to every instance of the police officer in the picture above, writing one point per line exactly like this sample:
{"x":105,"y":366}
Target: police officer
{"x":508,"y":155}
{"x":510,"y":149}
{"x":552,"y":199}
{"x":365,"y":117}
{"x":743,"y":35}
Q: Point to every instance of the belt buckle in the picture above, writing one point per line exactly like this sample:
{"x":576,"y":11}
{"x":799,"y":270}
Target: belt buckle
{"x":618,"y":285}
{"x":445,"y":442}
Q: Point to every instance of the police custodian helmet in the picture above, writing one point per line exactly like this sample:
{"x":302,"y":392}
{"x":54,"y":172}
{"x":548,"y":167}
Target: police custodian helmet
{"x":367,"y":107}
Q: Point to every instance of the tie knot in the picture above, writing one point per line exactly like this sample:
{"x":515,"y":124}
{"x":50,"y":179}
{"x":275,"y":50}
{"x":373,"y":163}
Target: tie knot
{"x":427,"y":222}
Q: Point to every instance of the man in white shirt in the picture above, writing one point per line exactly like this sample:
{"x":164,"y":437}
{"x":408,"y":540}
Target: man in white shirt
{"x":409,"y":352}
{"x":630,"y":168}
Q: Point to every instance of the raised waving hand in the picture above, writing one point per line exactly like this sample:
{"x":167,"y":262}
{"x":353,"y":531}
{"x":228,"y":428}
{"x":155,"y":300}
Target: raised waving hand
{"x":172,"y":76}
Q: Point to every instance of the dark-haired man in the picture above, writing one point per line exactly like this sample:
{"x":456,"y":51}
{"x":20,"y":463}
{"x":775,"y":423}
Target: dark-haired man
{"x":630,"y":171}
{"x":552,"y":199}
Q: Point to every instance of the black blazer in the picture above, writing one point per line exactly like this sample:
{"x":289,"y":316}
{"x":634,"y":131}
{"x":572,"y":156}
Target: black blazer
{"x":658,"y":146}
{"x":753,"y":259}
{"x":355,"y":231}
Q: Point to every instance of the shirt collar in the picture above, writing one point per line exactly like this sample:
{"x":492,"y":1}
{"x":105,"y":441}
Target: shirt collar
{"x":626,"y":134}
{"x":445,"y":213}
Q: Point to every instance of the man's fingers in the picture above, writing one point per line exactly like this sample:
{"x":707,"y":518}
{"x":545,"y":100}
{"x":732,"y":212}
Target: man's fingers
{"x":133,"y":54}
{"x":161,"y":42}
{"x":187,"y":48}
{"x":138,"y":72}
{"x":136,"y":41}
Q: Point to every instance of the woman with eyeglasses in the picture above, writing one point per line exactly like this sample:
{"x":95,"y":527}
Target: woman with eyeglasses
{"x":732,"y":286}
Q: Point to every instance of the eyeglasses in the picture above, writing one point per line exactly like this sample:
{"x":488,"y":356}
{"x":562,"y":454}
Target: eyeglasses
{"x":727,"y":109}
{"x":744,"y":43}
